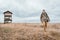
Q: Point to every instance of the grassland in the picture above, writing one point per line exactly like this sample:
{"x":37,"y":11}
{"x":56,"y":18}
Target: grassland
{"x":29,"y":31}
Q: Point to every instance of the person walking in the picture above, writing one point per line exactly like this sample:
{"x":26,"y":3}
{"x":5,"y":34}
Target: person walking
{"x":44,"y":19}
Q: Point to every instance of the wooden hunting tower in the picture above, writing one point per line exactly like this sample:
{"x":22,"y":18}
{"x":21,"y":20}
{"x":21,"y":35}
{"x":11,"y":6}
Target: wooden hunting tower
{"x":7,"y":17}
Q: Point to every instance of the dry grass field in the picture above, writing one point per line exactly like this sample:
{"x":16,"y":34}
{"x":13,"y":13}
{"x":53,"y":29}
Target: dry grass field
{"x":29,"y":31}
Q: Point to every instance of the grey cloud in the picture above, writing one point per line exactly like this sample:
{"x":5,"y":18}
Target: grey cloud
{"x":22,"y":9}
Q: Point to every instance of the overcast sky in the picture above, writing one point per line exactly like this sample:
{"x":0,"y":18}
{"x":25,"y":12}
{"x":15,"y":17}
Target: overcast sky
{"x":29,"y":10}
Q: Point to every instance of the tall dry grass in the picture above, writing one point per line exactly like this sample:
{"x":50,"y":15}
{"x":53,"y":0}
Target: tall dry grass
{"x":26,"y":32}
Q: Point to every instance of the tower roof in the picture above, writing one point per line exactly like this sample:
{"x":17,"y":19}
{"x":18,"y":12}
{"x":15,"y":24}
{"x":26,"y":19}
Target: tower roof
{"x":8,"y":12}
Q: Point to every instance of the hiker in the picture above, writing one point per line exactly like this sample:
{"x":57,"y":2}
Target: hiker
{"x":44,"y":19}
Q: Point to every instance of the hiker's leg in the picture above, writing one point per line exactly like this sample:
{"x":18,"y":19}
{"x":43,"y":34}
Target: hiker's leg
{"x":45,"y":26}
{"x":42,"y":23}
